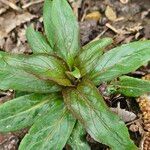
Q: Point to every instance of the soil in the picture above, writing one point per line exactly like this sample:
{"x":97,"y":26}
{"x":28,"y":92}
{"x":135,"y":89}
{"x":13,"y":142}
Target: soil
{"x":123,"y":20}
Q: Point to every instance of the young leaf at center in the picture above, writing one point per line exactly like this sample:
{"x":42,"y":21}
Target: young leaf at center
{"x":90,"y":54}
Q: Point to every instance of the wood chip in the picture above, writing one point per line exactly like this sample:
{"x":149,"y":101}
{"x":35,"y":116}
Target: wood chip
{"x":145,"y":13}
{"x":96,"y":15}
{"x":2,"y":10}
{"x":144,"y":104}
{"x":12,"y":5}
{"x":32,"y":3}
{"x":125,"y":115}
{"x":137,"y":27}
{"x":11,"y":20}
{"x":134,"y":128}
{"x":110,"y":13}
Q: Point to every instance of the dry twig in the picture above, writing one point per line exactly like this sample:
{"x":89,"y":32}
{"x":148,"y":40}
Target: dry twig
{"x":101,"y":34}
{"x":32,"y":3}
{"x":12,"y":5}
{"x":117,"y":31}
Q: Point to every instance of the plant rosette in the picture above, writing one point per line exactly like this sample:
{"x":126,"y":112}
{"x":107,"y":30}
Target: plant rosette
{"x":59,"y":98}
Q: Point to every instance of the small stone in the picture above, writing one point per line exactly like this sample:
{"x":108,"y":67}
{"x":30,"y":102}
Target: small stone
{"x":134,"y":128}
{"x":124,"y":1}
{"x":103,"y":21}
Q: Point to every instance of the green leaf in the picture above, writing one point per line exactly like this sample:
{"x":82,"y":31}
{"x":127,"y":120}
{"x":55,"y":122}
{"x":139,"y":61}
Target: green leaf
{"x":20,"y":93}
{"x":75,"y":73}
{"x":90,"y":54}
{"x":77,"y":139}
{"x":61,"y":28}
{"x":37,"y":41}
{"x":12,"y":78}
{"x":121,"y":60}
{"x":46,"y":67}
{"x":24,"y":111}
{"x":51,"y":131}
{"x":130,"y":86}
{"x":88,"y":106}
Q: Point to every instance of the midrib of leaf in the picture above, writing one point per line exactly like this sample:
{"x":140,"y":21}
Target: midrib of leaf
{"x":88,"y":106}
{"x":25,"y":111}
{"x":58,"y":9}
{"x":48,"y":67}
{"x":53,"y":131}
{"x":38,"y":75}
{"x":130,"y":88}
{"x":56,"y":125}
{"x":85,"y":99}
{"x":120,"y":60}
{"x":31,"y":64}
{"x":64,"y":32}
{"x":63,"y":22}
{"x":13,"y":75}
{"x":23,"y":63}
{"x":68,"y":41}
